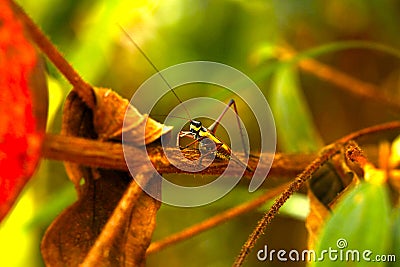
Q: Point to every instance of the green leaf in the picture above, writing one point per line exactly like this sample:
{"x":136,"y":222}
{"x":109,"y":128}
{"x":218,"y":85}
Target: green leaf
{"x":360,"y":223}
{"x":294,"y":123}
{"x":395,"y":250}
{"x":56,"y":98}
{"x":96,"y":38}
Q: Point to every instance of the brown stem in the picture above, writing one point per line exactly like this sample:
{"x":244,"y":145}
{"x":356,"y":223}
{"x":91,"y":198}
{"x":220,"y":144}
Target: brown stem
{"x":326,"y":153}
{"x":215,"y":221}
{"x":344,"y":81}
{"x":294,"y":187}
{"x":110,"y":155}
{"x":86,"y":152}
{"x":388,"y":126}
{"x":83,"y":89}
{"x":114,"y":223}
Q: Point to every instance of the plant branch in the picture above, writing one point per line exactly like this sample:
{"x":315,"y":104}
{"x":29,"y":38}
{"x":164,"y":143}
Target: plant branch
{"x":215,"y":220}
{"x":83,"y":89}
{"x":110,"y":155}
{"x":344,"y":81}
{"x":115,"y":223}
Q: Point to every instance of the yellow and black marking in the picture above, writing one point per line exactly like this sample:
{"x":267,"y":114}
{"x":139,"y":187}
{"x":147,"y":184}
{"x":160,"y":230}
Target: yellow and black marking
{"x":210,"y":144}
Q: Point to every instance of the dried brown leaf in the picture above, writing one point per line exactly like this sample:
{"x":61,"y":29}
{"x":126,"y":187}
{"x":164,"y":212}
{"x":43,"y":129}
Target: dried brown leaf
{"x":325,"y":190}
{"x":109,"y":116}
{"x":72,"y":235}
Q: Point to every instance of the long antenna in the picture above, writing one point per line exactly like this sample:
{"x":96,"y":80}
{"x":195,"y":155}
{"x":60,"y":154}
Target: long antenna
{"x":154,"y":67}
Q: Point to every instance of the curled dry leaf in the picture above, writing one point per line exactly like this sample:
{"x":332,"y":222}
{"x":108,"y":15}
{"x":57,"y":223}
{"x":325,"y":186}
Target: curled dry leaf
{"x":71,"y":236}
{"x":109,"y":116}
{"x":326,"y":188}
{"x":23,"y":108}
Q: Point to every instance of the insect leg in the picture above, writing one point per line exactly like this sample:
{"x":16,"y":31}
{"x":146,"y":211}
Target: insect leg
{"x":213,"y":127}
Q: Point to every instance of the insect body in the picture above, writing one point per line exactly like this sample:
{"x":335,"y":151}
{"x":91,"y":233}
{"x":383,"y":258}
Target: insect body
{"x":210,"y":144}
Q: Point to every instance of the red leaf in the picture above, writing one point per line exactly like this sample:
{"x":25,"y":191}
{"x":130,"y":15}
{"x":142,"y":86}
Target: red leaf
{"x":20,"y":136}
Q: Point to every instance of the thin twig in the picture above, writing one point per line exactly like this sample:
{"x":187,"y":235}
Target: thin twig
{"x":344,"y":81}
{"x":83,"y":89}
{"x":326,"y":153}
{"x":294,"y":187}
{"x":104,"y":241}
{"x":215,"y":221}
{"x":348,"y":83}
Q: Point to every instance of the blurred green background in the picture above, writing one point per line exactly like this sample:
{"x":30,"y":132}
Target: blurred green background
{"x":243,"y":34}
